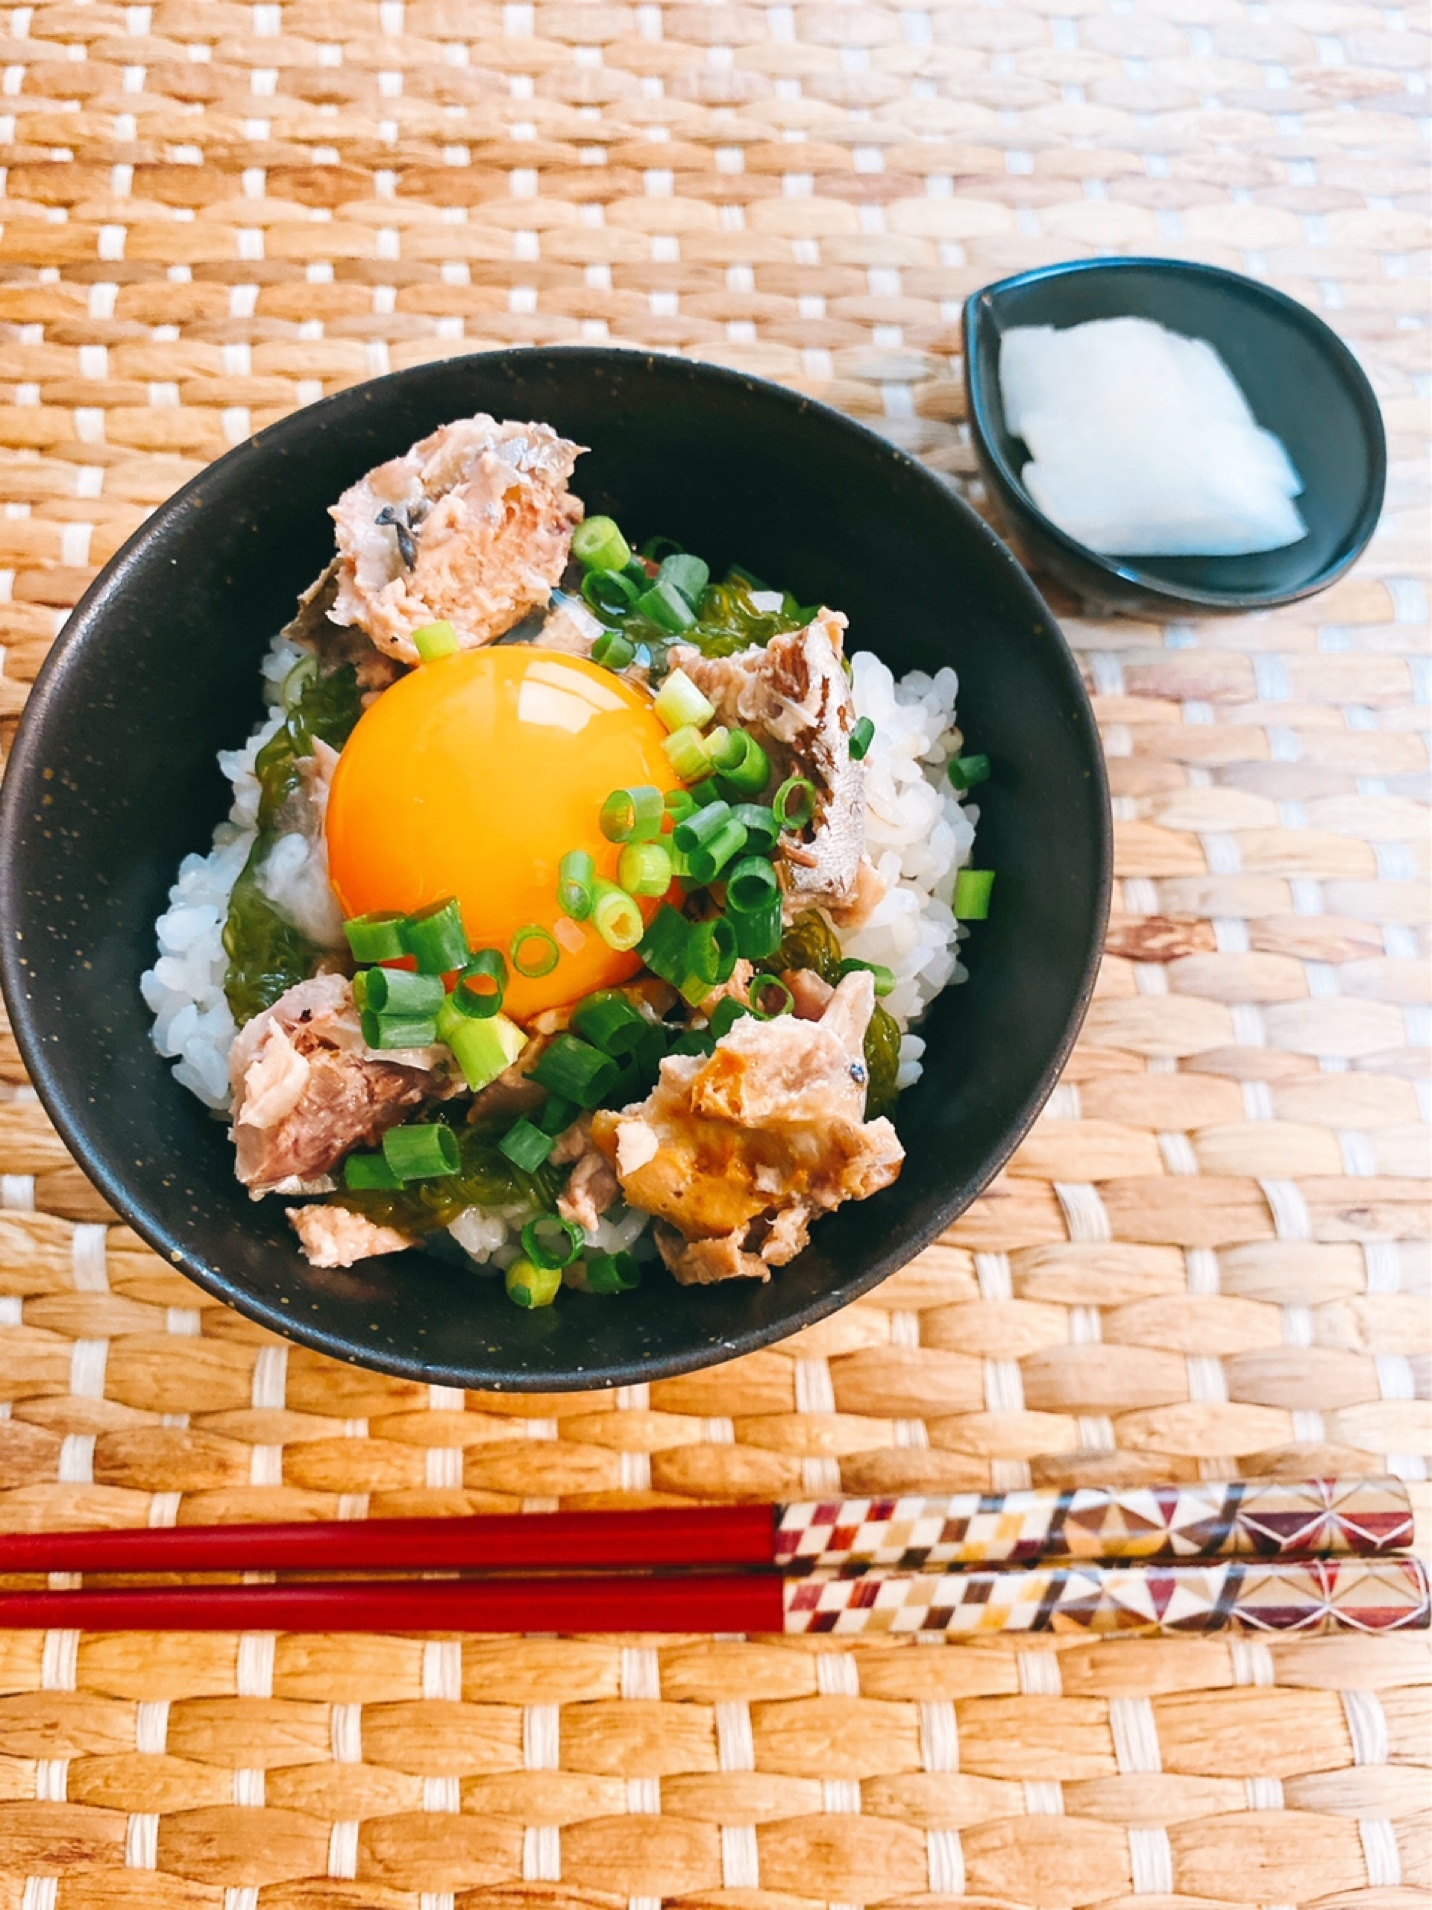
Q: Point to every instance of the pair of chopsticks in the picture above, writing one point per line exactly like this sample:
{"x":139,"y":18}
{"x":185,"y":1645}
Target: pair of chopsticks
{"x":1255,"y":1555}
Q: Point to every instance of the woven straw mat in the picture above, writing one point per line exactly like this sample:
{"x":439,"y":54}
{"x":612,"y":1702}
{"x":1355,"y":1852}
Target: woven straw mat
{"x":1207,"y":1258}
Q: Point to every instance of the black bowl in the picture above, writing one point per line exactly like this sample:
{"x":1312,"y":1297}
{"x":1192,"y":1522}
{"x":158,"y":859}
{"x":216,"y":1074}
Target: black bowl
{"x":113,"y":779}
{"x":1300,"y":380}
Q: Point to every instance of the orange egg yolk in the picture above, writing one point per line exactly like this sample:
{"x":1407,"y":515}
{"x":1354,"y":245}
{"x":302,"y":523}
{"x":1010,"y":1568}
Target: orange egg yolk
{"x":472,"y":777}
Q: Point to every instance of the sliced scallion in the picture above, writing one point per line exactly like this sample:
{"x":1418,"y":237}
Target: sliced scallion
{"x":686,"y":752}
{"x":575,"y":1069}
{"x":482,"y":1049}
{"x":369,"y":1170}
{"x":597,"y":544}
{"x":689,"y":574}
{"x":436,"y":640}
{"x":758,"y":935}
{"x":770,"y":997}
{"x":556,"y":1114}
{"x":632,"y":815}
{"x":644,"y":868}
{"x":750,"y":885}
{"x":377,"y":937}
{"x":525,"y":1145}
{"x":609,"y":1021}
{"x":576,"y":873}
{"x":740,"y":760}
{"x":861,"y":737}
{"x":666,"y":607}
{"x":534,"y":951}
{"x":701,"y":826}
{"x":724,"y":1016}
{"x":435,"y":938}
{"x":794,"y":802}
{"x":479,"y":988}
{"x":422,"y":1151}
{"x":532,"y":1286}
{"x":657,"y":549}
{"x":760,"y":825}
{"x":549,"y":1241}
{"x":705,"y":863}
{"x":711,"y":952}
{"x":611,"y":1273}
{"x":679,"y":703}
{"x":616,"y":917}
{"x":679,"y":804}
{"x":610,"y":592}
{"x":397,"y":991}
{"x":399,"y":1031}
{"x":965,"y":772}
{"x":884,"y":977}
{"x":613,"y":649}
{"x":663,"y":947}
{"x":972,"y":889}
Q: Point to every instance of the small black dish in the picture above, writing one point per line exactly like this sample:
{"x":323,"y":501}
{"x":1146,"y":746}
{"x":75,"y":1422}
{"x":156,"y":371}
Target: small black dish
{"x":113,"y":778}
{"x":1300,"y":380}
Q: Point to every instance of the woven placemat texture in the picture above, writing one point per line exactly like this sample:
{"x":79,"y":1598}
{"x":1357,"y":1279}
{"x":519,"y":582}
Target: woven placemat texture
{"x":1207,"y":1258}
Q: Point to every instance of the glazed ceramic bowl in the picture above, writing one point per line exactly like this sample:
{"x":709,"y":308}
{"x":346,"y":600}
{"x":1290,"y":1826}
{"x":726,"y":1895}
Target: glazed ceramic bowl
{"x":1300,"y":380}
{"x":113,"y":779}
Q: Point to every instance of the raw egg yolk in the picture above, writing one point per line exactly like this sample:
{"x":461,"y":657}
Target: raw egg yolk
{"x":472,"y":777}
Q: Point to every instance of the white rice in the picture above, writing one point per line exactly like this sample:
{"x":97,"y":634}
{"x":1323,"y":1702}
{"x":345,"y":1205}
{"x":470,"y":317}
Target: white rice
{"x":917,"y":833}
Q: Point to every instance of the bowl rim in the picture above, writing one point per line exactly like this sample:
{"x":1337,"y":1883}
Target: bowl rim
{"x":985,"y":403}
{"x":144,"y":1215}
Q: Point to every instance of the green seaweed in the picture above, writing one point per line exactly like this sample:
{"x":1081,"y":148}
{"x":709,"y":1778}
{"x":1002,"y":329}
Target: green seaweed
{"x":727,"y":620}
{"x":267,"y":954}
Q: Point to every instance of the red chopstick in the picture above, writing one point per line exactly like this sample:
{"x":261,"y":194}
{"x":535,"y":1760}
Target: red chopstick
{"x":650,"y":1537}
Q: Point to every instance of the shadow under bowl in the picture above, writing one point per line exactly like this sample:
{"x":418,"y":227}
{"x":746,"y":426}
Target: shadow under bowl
{"x":113,"y":779}
{"x":1301,"y":382}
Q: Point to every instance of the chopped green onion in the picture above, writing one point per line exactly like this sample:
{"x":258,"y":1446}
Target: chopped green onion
{"x":965,"y":772}
{"x":609,"y":592}
{"x":727,"y":1012}
{"x":575,"y":875}
{"x":644,"y":868}
{"x":694,"y":1041}
{"x":750,"y":884}
{"x":770,"y":997}
{"x":760,"y":825}
{"x":482,"y":1049}
{"x":526,"y":1146}
{"x":707,"y":791}
{"x":477,"y":1004}
{"x":597,"y":544}
{"x":679,"y":804}
{"x":360,"y":989}
{"x":575,"y":1069}
{"x":556,"y":1114}
{"x":632,"y":814}
{"x":686,"y":752}
{"x":663,"y":947}
{"x":534,"y":951}
{"x":369,"y":1170}
{"x":613,"y":650}
{"x":397,"y":991}
{"x":972,"y":887}
{"x":861,"y":737}
{"x":610,"y":1022}
{"x":711,"y":952}
{"x":658,"y":549}
{"x":679,"y":703}
{"x":616,"y":917}
{"x":399,"y":1031}
{"x":530,"y":1286}
{"x":436,"y":640}
{"x":611,"y":1273}
{"x":376,"y":938}
{"x":741,"y":575}
{"x":758,"y":935}
{"x":689,"y":574}
{"x":435,"y":936}
{"x":706,"y":863}
{"x":794,"y":802}
{"x":739,"y":758}
{"x":884,"y":977}
{"x":549,"y":1241}
{"x":702,"y":826}
{"x":666,"y":607}
{"x":421,"y":1152}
